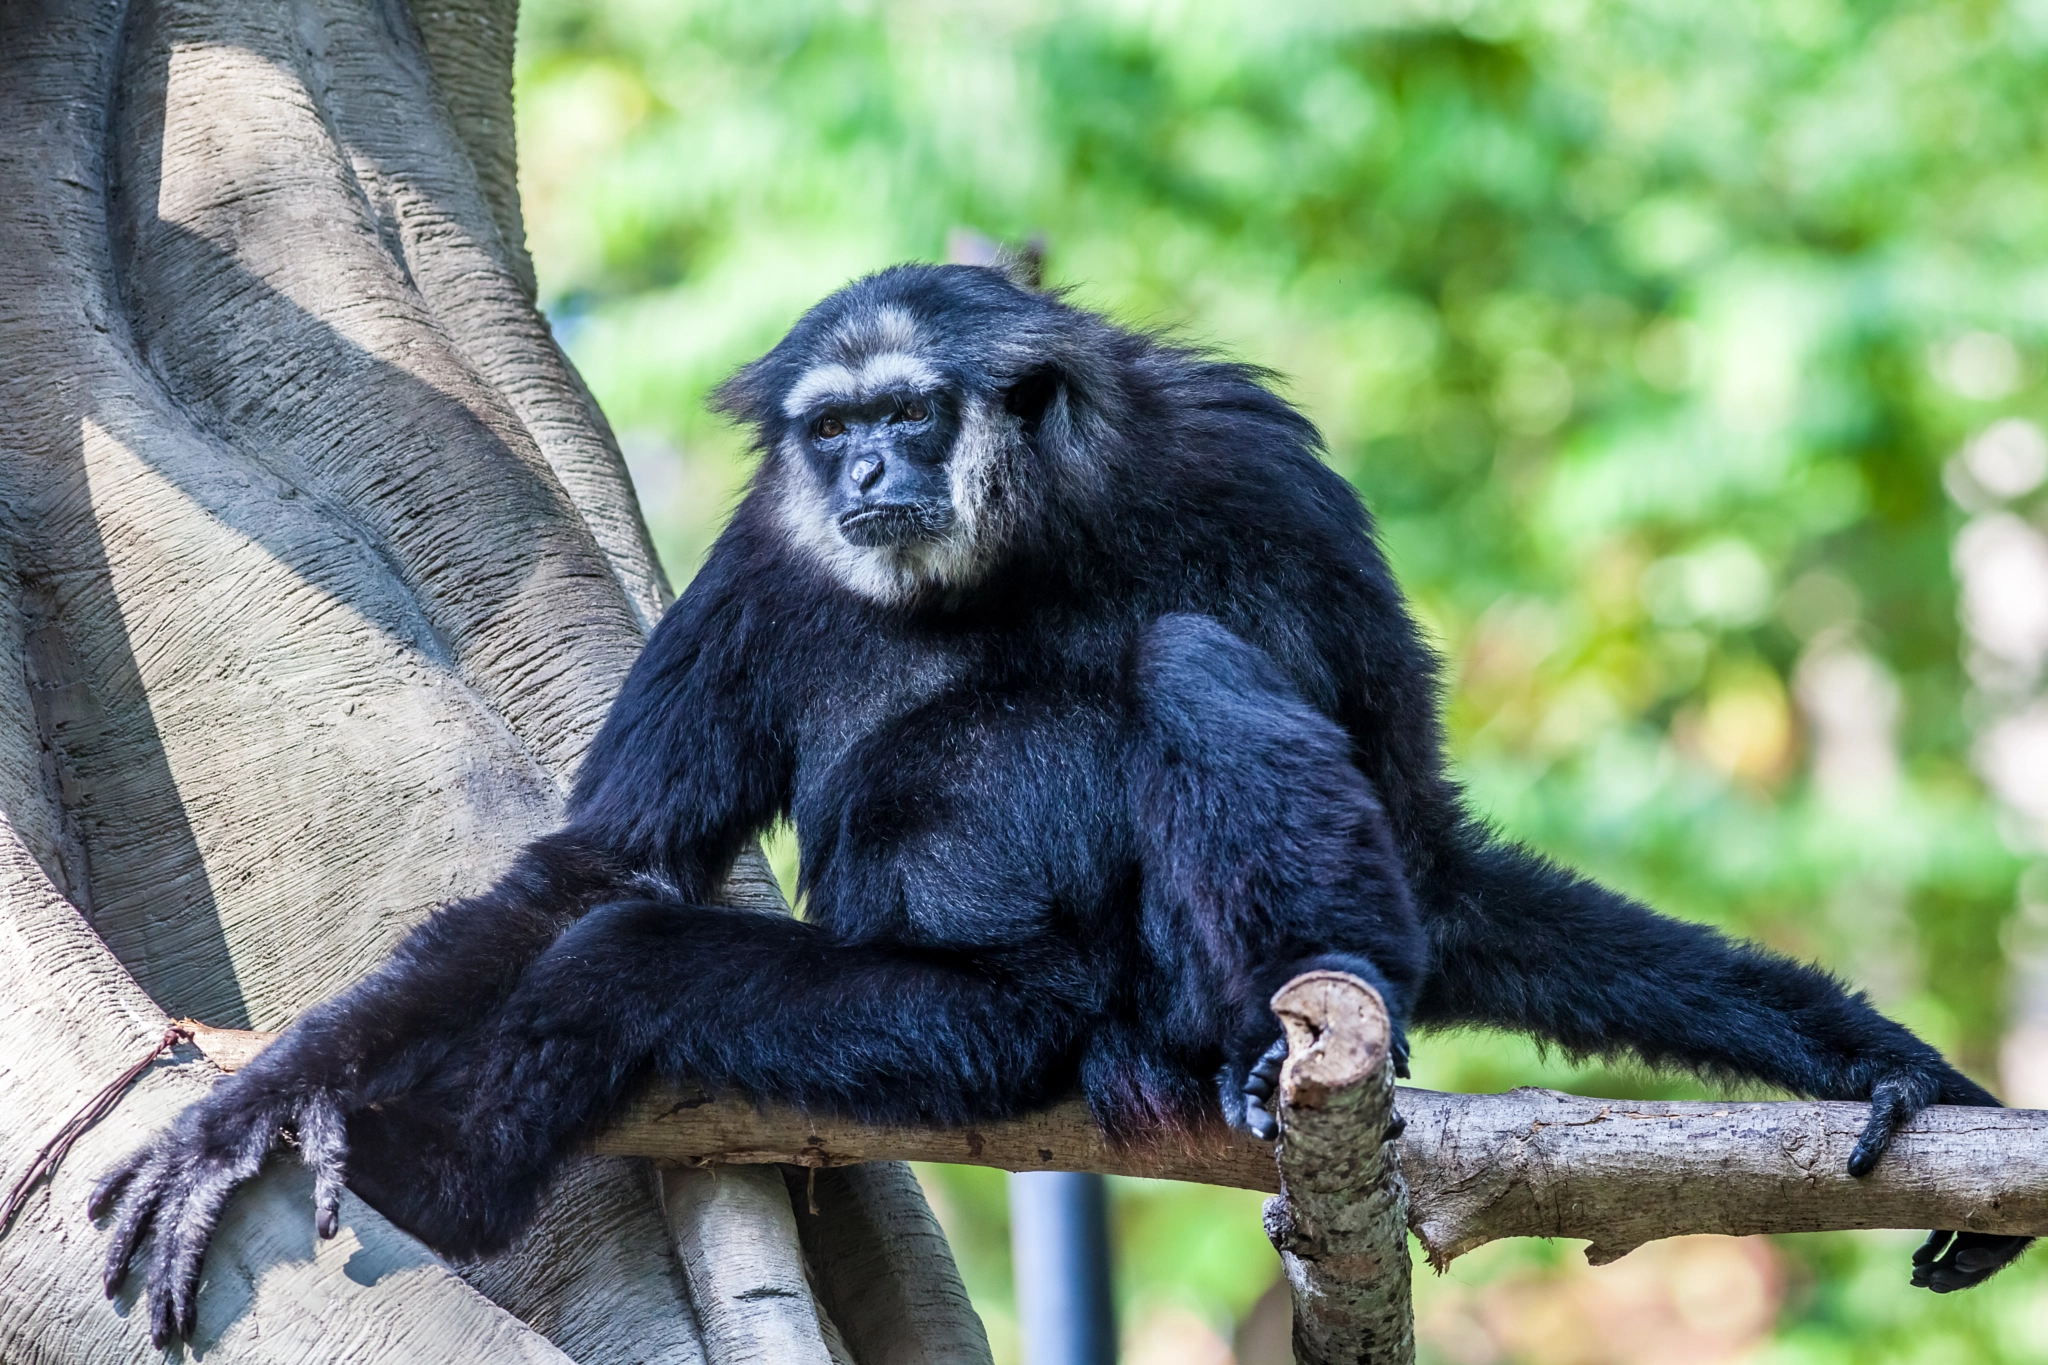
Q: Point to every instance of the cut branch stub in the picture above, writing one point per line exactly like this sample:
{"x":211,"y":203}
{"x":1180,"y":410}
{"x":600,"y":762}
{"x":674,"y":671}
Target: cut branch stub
{"x":1338,"y":1037}
{"x":1340,"y":1220}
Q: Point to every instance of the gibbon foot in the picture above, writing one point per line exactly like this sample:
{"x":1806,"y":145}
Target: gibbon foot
{"x":174,"y":1188}
{"x":1263,"y":1081}
{"x":1948,"y":1261}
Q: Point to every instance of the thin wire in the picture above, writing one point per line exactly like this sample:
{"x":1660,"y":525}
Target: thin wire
{"x":74,"y":1128}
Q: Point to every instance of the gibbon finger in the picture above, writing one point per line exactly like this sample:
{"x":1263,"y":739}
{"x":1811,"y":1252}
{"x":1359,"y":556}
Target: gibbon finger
{"x":135,"y":1213}
{"x":323,"y":1146}
{"x":107,"y":1192}
{"x":184,"y":1228}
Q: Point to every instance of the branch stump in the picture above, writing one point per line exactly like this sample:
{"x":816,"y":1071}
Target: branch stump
{"x":1340,"y":1221}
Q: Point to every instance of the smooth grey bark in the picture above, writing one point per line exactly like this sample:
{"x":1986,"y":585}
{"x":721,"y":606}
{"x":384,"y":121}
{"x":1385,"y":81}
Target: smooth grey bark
{"x":318,"y":568}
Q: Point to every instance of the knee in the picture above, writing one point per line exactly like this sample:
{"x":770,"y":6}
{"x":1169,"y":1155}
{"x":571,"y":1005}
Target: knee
{"x":1222,"y":703}
{"x":621,"y":930}
{"x":593,"y":964}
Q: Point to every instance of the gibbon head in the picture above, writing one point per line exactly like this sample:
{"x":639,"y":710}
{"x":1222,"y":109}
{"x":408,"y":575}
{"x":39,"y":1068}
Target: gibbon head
{"x":912,"y":424}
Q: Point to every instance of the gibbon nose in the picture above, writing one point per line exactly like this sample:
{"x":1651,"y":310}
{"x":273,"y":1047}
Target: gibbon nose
{"x":865,"y":472}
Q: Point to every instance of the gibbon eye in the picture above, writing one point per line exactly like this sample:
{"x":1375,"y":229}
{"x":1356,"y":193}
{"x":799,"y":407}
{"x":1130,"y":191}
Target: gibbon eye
{"x":828,"y":427}
{"x":914,"y":412}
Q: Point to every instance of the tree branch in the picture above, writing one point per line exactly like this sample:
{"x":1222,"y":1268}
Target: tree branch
{"x":1527,"y":1163}
{"x":1340,"y":1219}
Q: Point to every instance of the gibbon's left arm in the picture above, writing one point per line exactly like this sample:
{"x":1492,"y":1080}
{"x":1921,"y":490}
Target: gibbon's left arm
{"x":1526,"y":945}
{"x":686,"y":768}
{"x":1519,"y":943}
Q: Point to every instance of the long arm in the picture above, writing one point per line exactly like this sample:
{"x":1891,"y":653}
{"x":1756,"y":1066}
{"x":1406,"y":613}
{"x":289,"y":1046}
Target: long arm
{"x":701,"y":754}
{"x":1266,"y":854}
{"x":1522,"y":944}
{"x":1526,"y":945}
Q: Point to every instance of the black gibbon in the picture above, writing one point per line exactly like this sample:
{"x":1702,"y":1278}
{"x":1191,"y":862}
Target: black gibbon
{"x":1099,"y":716}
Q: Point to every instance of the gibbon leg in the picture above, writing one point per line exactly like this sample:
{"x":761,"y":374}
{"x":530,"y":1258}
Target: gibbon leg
{"x":1266,"y":853}
{"x":1531,"y":947}
{"x":766,"y":1006}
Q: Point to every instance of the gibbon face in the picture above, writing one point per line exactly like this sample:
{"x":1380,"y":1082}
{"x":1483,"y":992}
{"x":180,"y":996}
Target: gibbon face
{"x":893,"y":449}
{"x":890,"y":468}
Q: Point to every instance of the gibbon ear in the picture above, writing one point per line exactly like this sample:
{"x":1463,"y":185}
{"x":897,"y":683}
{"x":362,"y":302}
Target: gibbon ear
{"x":749,"y":396}
{"x":1032,"y":395}
{"x":1023,"y":263}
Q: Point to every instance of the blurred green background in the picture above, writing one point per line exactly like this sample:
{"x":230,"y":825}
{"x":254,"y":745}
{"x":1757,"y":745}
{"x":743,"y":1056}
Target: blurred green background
{"x":1690,"y":356}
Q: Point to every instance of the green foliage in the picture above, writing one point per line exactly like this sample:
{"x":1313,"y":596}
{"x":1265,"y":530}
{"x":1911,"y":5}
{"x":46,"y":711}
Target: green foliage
{"x":1645,"y":329}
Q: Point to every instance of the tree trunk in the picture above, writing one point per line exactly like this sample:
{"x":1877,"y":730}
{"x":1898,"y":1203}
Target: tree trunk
{"x":318,"y":568}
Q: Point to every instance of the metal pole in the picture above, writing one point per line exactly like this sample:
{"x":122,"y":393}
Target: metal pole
{"x":1059,"y":1244}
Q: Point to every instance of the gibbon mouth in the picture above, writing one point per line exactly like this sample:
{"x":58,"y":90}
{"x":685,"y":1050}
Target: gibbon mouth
{"x":894,"y":524}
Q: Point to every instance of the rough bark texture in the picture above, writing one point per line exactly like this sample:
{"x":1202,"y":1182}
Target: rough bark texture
{"x":690,"y":1126}
{"x":751,"y":1292}
{"x":1340,"y":1219}
{"x":870,"y":1238}
{"x":1536,"y":1163}
{"x":273,"y":1292}
{"x":318,"y":568}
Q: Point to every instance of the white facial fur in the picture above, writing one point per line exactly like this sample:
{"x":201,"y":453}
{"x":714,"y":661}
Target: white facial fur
{"x":876,"y":352}
{"x":892,"y":575}
{"x":849,"y":384}
{"x":887,"y":344}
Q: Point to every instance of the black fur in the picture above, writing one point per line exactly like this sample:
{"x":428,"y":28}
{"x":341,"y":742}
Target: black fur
{"x":1076,"y":790}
